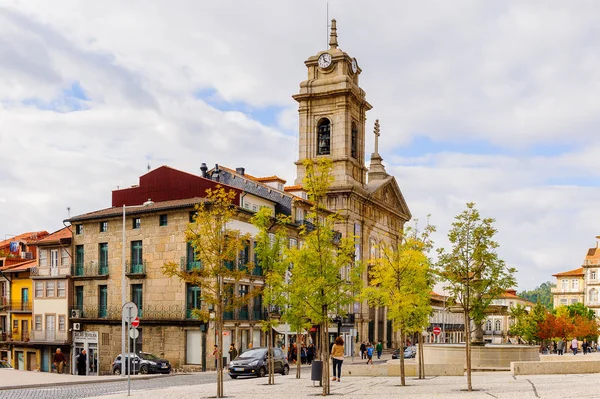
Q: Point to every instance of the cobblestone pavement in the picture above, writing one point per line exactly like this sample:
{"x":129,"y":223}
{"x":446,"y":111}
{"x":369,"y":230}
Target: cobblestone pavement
{"x":106,"y":388}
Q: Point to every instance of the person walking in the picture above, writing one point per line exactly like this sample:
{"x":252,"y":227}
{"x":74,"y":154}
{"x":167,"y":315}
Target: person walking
{"x":232,"y":353}
{"x":310,"y":353}
{"x":560,"y":347}
{"x":370,"y":353}
{"x":59,"y":361}
{"x":379,"y":349}
{"x":215,"y":353}
{"x":584,"y":346}
{"x":363,"y":349}
{"x":574,"y":345}
{"x":337,"y":354}
{"x":81,"y":362}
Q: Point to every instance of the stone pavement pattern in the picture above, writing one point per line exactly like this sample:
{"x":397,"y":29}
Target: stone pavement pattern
{"x":500,"y":385}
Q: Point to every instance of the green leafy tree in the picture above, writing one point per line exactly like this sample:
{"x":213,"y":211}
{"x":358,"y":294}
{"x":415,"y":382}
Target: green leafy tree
{"x":323,"y":277}
{"x":472,"y":272}
{"x":216,"y":248}
{"x":581,"y":310}
{"x":401,"y":280}
{"x":542,"y":294}
{"x":270,"y":255}
{"x":527,"y":323}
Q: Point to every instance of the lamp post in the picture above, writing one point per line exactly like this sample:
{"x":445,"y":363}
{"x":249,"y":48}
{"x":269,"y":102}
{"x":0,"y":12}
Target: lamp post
{"x":123,"y":280}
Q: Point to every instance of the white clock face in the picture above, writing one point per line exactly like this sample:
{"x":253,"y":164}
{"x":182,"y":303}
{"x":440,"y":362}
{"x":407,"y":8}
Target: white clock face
{"x":354,"y":66}
{"x":325,"y":60}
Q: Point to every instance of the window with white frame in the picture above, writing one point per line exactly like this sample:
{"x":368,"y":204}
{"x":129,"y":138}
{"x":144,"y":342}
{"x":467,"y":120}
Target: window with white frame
{"x":488,"y":325}
{"x":593,"y":295}
{"x":565,"y":284}
{"x":39,"y":289}
{"x":43,"y":258}
{"x":50,"y":289}
{"x":574,"y":301}
{"x":61,"y":288}
{"x":564,"y":301}
{"x":38,"y":322}
{"x":62,"y":323}
{"x":498,"y":325}
{"x":575,"y":284}
{"x":593,"y":274}
{"x":65,"y":259}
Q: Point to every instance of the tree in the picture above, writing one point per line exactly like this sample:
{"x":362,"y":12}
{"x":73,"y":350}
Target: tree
{"x":527,"y":323}
{"x":581,"y":310}
{"x":401,"y":280}
{"x":542,"y":294}
{"x":216,"y":247}
{"x":472,"y":272}
{"x":324,"y":276}
{"x":270,"y":255}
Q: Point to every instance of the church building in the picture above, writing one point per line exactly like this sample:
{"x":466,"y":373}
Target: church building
{"x":332,"y":124}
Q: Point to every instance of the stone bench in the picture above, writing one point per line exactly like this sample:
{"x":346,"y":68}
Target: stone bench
{"x":392,"y":368}
{"x":555,"y":367}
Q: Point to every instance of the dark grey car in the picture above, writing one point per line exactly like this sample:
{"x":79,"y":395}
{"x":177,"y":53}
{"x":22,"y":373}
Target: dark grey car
{"x":253,"y":362}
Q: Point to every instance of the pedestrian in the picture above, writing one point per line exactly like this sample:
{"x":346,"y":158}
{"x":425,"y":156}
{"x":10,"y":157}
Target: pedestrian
{"x":294,"y":353}
{"x":370,"y":353}
{"x":560,"y":347}
{"x":337,"y":354}
{"x":363,"y":349}
{"x":584,"y":346}
{"x":215,"y":353}
{"x":303,"y":354}
{"x":232,"y":353}
{"x":554,"y":347}
{"x":310,"y":353}
{"x":379,"y":349}
{"x":574,"y":345}
{"x":59,"y":361}
{"x":81,"y":361}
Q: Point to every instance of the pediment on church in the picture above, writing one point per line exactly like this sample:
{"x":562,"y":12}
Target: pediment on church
{"x":387,"y":192}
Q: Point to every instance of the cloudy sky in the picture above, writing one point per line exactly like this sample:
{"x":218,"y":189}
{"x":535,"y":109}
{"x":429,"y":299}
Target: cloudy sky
{"x":494,"y":102}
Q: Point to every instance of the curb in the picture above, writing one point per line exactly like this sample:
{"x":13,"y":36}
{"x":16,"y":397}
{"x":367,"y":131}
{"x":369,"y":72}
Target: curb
{"x":54,"y":384}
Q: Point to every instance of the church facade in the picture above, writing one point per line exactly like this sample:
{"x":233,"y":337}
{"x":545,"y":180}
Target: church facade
{"x":333,"y":124}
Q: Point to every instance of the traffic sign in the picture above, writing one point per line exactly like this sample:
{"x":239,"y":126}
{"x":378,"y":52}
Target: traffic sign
{"x":135,"y":323}
{"x":130,"y":311}
{"x":134,"y":333}
{"x":437,"y":331}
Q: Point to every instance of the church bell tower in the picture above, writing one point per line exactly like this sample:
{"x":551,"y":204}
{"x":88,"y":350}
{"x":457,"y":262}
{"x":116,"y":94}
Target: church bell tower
{"x":332,"y":115}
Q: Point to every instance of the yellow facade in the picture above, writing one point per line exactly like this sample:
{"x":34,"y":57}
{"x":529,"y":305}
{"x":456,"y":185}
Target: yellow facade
{"x":569,"y":288}
{"x":24,"y":357}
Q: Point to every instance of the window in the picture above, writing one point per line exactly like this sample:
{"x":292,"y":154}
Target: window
{"x":575,"y":284}
{"x":136,"y":254}
{"x":193,"y":299}
{"x":102,"y":300}
{"x":162,"y":220}
{"x":39,"y":289}
{"x":324,"y":137}
{"x":103,"y":227}
{"x":257,"y":271}
{"x":593,"y":295}
{"x":103,"y":259}
{"x":61,"y":288}
{"x":65,"y":259}
{"x":192,"y":262}
{"x":254,"y":208}
{"x":564,"y":301}
{"x":137,"y":297}
{"x":243,"y":312}
{"x":137,"y":222}
{"x":257,"y":308}
{"x":78,"y":229}
{"x":79,"y":255}
{"x":38,"y":322}
{"x":79,"y":297}
{"x":488,"y":325}
{"x":3,"y":293}
{"x":43,"y":258}
{"x":565,"y":285}
{"x":498,"y":325}
{"x":50,"y":289}
{"x":574,"y":300}
{"x":244,"y":257}
{"x":592,"y":274}
{"x":62,"y":323}
{"x":354,"y":141}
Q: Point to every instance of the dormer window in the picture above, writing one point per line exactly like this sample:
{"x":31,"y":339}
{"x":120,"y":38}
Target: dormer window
{"x":324,"y":137}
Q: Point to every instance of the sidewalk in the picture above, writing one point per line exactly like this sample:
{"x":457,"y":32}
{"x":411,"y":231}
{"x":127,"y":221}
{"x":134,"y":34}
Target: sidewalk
{"x":499,"y":385}
{"x":17,"y":379}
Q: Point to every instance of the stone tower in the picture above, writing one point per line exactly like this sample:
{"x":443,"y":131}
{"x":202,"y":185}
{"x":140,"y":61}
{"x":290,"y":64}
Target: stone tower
{"x":332,"y":110}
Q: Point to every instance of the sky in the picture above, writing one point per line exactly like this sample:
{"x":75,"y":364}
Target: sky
{"x":491,"y":102}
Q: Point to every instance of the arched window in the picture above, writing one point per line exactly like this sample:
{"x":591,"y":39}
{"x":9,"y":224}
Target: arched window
{"x":593,"y":295}
{"x":324,"y":137}
{"x":488,"y":325}
{"x":498,"y":325}
{"x":354,"y":141}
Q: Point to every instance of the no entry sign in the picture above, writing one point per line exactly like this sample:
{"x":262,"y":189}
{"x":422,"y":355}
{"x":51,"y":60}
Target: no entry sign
{"x":437,"y":331}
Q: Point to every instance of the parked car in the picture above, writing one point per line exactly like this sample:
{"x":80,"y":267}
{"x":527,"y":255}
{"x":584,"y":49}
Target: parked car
{"x":409,"y":353}
{"x":5,"y":365}
{"x":253,"y":362}
{"x":143,"y":363}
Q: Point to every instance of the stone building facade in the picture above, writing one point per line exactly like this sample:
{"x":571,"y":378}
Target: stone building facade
{"x":332,"y":123}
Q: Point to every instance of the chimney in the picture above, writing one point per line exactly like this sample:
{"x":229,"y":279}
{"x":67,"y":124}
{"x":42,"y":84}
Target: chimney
{"x":204,"y":170}
{"x":240,"y":171}
{"x":597,"y":241}
{"x":216,"y":172}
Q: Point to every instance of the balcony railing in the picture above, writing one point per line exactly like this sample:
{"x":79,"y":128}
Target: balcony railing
{"x":49,"y":336}
{"x":20,"y":307}
{"x":243,"y":314}
{"x":188,"y":265}
{"x":148,"y":312}
{"x":4,"y":303}
{"x":20,"y":336}
{"x":90,"y":270}
{"x":136,"y":269}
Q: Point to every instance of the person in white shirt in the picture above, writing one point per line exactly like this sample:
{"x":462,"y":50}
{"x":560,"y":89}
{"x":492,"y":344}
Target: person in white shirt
{"x":574,"y":345}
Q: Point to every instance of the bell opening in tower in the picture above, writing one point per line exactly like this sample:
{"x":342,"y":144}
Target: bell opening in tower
{"x":324,"y":137}
{"x":354,"y":141}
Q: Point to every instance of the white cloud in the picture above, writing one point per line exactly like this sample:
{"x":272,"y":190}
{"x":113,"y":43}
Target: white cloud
{"x":513,"y":74}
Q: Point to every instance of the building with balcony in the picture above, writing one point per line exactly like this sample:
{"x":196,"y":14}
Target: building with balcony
{"x":499,"y":320}
{"x":52,"y":296}
{"x":155,"y":235}
{"x":570,"y":287}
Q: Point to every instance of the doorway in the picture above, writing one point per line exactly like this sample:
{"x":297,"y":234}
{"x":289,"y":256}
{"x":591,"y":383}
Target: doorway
{"x":20,"y":360}
{"x":31,"y":361}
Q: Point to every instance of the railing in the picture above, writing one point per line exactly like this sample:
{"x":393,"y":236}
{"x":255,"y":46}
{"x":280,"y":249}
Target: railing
{"x":91,"y":269}
{"x":243,"y":314}
{"x":136,"y":269}
{"x":4,"y":303}
{"x":5,"y":337}
{"x":20,"y":336}
{"x":148,"y":312}
{"x":188,"y":265}
{"x":19,"y":307}
{"x":228,"y":315}
{"x":348,"y":319}
{"x":49,"y":336}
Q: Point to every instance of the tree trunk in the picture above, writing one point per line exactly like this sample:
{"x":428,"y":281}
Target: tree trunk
{"x":421,"y":362}
{"x":468,"y":348}
{"x":298,"y":357}
{"x":325,"y":350}
{"x":270,"y":355}
{"x":219,"y":343}
{"x":402,"y":368}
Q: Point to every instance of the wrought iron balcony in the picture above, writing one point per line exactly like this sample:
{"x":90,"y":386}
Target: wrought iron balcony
{"x":136,"y":270}
{"x":90,"y":270}
{"x":19,"y":336}
{"x":48,"y":336}
{"x":148,"y":312}
{"x":348,"y":319}
{"x":4,"y":303}
{"x":228,"y":315}
{"x":23,"y":307}
{"x":188,"y":265}
{"x":243,"y":314}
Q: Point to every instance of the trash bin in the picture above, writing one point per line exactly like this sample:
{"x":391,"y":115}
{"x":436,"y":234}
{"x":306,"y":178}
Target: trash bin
{"x":316,"y":371}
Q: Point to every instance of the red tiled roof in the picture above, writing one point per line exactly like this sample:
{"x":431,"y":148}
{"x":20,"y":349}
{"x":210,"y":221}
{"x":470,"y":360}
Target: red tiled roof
{"x":28,"y":264}
{"x":574,"y":272}
{"x":25,"y":237}
{"x":271,"y":178}
{"x":57,"y":236}
{"x":293,"y":188}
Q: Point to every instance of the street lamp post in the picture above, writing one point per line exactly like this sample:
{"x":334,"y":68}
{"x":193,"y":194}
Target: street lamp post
{"x":123,"y":280}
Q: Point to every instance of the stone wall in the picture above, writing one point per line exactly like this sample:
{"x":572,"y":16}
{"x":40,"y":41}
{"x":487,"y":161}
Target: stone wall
{"x":482,"y":357}
{"x":555,"y":367}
